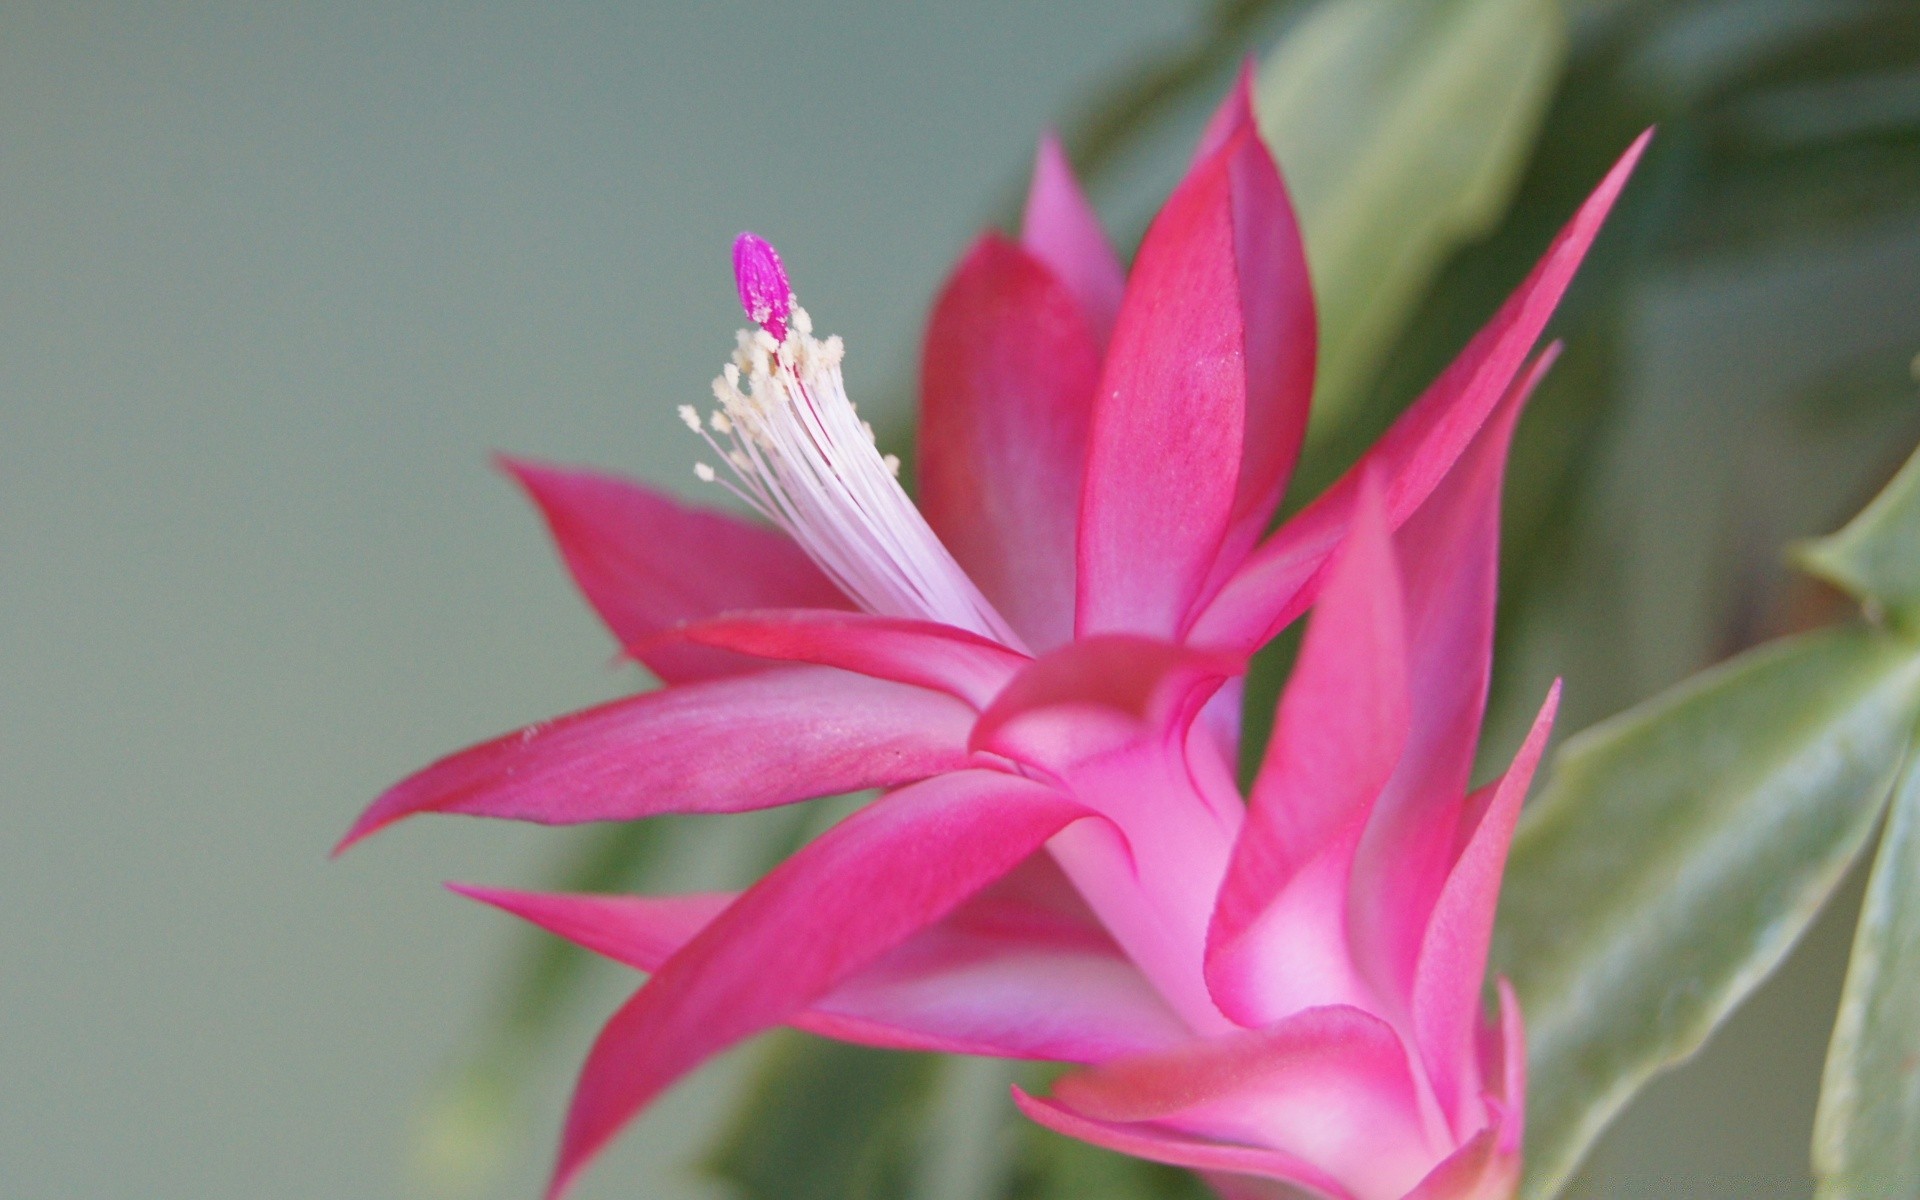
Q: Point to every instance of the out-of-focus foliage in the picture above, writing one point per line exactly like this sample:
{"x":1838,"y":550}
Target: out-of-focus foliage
{"x":1867,"y":1133}
{"x":1678,"y":852}
{"x":1402,"y":129}
{"x":826,"y":1121}
{"x":1643,"y":536}
{"x":1873,"y":557}
{"x":473,"y":1117}
{"x":1867,"y":1130}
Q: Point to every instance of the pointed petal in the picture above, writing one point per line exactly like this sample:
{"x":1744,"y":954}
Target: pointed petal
{"x":1453,"y":955}
{"x":1234,"y":114}
{"x":840,"y":903}
{"x":1204,"y":401}
{"x":1001,"y":976}
{"x":1169,"y":419}
{"x":641,"y":932}
{"x":1061,"y":229}
{"x":724,"y":745}
{"x":1158,"y":1144}
{"x":1339,"y":734}
{"x":1274,"y":584}
{"x":1281,"y":329}
{"x":923,"y":653}
{"x":646,"y":562}
{"x":1007,"y":384}
{"x":1449,"y":559}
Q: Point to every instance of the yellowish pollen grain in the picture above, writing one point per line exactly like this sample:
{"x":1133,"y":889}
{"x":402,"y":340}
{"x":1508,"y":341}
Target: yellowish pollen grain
{"x":892,"y":462}
{"x":689,"y":417}
{"x":704,"y":473}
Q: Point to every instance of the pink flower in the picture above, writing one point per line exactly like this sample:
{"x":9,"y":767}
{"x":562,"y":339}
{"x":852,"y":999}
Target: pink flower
{"x":1040,"y":665}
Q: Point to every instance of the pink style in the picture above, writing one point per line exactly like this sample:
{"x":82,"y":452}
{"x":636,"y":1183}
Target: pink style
{"x":1038,"y":666}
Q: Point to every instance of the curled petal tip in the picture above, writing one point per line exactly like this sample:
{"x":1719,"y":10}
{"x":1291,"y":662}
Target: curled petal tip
{"x":764,"y":290}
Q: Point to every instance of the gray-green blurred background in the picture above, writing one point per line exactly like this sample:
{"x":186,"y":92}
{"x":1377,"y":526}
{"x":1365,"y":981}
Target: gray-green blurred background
{"x":275,"y":279}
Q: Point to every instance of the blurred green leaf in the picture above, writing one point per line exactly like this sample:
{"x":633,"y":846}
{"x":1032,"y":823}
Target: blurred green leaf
{"x":1052,"y":1167}
{"x":829,"y":1121}
{"x":1866,"y":1140}
{"x":1402,"y":126}
{"x":1676,"y":855}
{"x":1877,"y":556}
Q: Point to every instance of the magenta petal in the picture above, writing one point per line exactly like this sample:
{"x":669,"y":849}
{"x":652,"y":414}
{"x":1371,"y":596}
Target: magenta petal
{"x":1449,"y":559}
{"x":834,"y":908}
{"x":1204,"y":401}
{"x":923,"y":653}
{"x":1272,"y":587}
{"x":636,"y":931}
{"x":1061,"y":229}
{"x":1281,"y":329}
{"x":1453,"y":954}
{"x":724,"y":745}
{"x":1338,"y":737}
{"x":1169,"y":419}
{"x":1234,"y":113}
{"x":1007,"y":384}
{"x":999,"y":977}
{"x":646,"y":562}
{"x":1158,"y":1144}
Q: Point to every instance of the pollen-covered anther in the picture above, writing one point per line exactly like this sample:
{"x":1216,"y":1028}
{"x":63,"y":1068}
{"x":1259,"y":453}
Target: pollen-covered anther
{"x":803,"y":459}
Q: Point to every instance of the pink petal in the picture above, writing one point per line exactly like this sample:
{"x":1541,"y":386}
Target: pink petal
{"x":1007,"y":384}
{"x":1097,"y":694}
{"x":1061,"y":230}
{"x":1334,"y":1048}
{"x":1504,"y":1053}
{"x":646,"y":562}
{"x":1453,"y":954}
{"x":1478,"y":1170}
{"x":1201,"y":404}
{"x":1158,"y":1144}
{"x":834,"y":908}
{"x":923,"y":653}
{"x":641,"y":932}
{"x":1274,"y":585}
{"x":1281,"y":330}
{"x":1449,"y":557}
{"x":723,"y":745}
{"x":1000,"y":976}
{"x":1234,"y":113}
{"x":1338,"y":737}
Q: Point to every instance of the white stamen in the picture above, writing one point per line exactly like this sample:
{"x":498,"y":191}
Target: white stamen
{"x":802,"y":459}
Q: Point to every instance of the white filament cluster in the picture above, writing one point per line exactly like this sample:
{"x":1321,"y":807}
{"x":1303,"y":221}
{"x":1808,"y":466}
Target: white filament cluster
{"x":801,"y":457}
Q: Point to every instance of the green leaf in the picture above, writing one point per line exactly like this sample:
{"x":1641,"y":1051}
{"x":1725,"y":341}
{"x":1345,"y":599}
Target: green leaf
{"x":1676,"y":855}
{"x":1877,"y":556}
{"x":829,"y":1121}
{"x":1866,"y":1136}
{"x":1402,"y":126}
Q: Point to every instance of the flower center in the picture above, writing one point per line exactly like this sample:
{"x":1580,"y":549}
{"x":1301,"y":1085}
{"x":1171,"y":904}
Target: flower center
{"x":801,"y":457}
